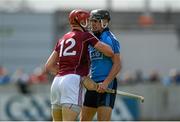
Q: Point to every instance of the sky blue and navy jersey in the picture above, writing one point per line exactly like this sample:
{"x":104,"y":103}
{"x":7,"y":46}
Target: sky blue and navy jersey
{"x":101,"y":64}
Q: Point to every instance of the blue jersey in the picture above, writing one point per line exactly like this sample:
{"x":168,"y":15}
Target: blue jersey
{"x":101,"y":64}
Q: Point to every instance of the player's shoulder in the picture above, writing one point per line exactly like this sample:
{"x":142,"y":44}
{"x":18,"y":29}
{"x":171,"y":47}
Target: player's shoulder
{"x":68,"y":35}
{"x":109,"y":35}
{"x":89,"y":35}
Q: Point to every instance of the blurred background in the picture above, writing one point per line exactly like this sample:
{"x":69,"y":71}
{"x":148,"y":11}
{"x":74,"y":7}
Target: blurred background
{"x":149,"y":34}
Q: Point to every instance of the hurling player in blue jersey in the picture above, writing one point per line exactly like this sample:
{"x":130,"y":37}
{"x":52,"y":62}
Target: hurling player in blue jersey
{"x":103,"y":70}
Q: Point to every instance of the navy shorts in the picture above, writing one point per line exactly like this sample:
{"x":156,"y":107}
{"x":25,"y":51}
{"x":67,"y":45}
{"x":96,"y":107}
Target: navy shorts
{"x":95,"y":99}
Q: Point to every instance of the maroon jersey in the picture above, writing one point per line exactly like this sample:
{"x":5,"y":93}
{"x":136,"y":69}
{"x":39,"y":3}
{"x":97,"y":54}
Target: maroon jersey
{"x":73,"y":52}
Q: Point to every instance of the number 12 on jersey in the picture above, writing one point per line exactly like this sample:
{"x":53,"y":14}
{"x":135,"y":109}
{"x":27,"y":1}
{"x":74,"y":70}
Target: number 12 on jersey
{"x":65,"y":51}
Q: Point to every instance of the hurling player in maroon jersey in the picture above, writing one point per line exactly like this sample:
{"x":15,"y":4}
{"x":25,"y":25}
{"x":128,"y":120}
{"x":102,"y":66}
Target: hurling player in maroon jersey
{"x":69,"y":62}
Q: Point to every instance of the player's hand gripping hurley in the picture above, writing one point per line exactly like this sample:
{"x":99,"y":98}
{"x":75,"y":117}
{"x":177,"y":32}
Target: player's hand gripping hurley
{"x":91,"y":85}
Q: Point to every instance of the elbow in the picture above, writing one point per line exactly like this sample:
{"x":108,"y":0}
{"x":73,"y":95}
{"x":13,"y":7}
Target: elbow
{"x":110,"y":54}
{"x":47,"y":67}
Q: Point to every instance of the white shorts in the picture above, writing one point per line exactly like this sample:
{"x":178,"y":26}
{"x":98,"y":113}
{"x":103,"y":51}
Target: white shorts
{"x":67,"y":89}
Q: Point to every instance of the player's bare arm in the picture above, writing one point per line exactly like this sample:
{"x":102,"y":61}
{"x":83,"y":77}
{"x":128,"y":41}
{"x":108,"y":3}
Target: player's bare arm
{"x":51,"y":64}
{"x":116,"y":59}
{"x":104,"y":48}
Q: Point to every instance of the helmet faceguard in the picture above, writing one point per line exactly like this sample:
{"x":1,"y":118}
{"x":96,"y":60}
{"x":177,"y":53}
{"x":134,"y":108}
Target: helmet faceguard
{"x":102,"y":15}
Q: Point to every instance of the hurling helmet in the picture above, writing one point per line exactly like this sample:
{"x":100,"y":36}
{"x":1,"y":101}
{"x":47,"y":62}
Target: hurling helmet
{"x":100,"y":14}
{"x":79,"y":16}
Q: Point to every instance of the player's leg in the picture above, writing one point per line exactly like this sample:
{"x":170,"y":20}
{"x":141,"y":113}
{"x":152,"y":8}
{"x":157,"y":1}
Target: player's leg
{"x":72,"y":95}
{"x":89,"y":107}
{"x":104,"y":113}
{"x":106,"y":103}
{"x":56,"y":113}
{"x":56,"y":109}
{"x":70,"y":112}
{"x":87,"y":113}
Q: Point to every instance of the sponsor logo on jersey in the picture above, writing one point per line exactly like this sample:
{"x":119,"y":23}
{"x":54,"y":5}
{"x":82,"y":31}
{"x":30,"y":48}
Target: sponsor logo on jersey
{"x":95,"y":54}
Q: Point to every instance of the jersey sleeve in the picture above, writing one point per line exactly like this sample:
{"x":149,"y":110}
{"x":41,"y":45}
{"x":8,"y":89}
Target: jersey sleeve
{"x":92,"y":40}
{"x":115,"y":43}
{"x":116,"y":46}
{"x":57,"y":47}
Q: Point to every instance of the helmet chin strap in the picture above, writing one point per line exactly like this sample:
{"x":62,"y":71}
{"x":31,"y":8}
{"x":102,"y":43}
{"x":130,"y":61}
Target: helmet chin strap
{"x":103,"y":25}
{"x":81,"y":25}
{"x":84,"y":26}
